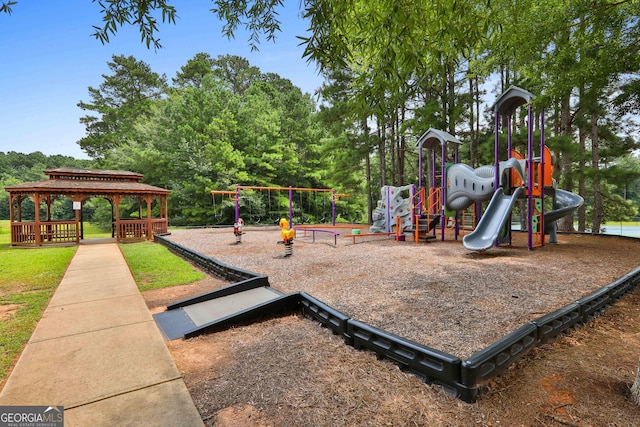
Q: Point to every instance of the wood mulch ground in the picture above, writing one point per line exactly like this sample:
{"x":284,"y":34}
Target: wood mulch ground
{"x":289,"y":371}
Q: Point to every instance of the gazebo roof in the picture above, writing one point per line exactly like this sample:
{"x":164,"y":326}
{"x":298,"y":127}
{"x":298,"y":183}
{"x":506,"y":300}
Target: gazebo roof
{"x":63,"y":185}
{"x":90,"y":181}
{"x":93,"y":174}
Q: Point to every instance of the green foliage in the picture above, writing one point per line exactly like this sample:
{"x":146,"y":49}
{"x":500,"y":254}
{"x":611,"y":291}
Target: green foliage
{"x":394,"y":69}
{"x":117,"y":13}
{"x":615,"y":209}
{"x":224,"y":123}
{"x":5,"y":7}
{"x":121,"y":99}
{"x":257,"y":16}
{"x":154,"y":267}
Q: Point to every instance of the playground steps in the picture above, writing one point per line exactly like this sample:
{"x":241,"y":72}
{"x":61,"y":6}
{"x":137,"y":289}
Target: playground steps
{"x":424,"y":226}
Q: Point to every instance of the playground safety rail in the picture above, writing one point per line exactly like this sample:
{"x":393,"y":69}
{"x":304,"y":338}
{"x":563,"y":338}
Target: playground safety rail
{"x":463,"y":379}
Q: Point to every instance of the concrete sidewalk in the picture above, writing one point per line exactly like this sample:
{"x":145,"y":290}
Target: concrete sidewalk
{"x":98,"y":352}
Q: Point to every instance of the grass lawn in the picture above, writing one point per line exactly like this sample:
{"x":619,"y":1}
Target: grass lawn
{"x":29,"y":278}
{"x":155,"y":267}
{"x":31,"y":275}
{"x":91,"y":231}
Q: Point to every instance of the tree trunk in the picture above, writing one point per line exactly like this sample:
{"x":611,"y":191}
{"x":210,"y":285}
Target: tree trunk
{"x":472,"y":120}
{"x":451,"y":100}
{"x":566,"y":162}
{"x":393,"y":139}
{"x":401,"y":149}
{"x":382,"y":154}
{"x":367,"y":160}
{"x":595,"y":164}
{"x":582,"y":186}
{"x":635,"y":388}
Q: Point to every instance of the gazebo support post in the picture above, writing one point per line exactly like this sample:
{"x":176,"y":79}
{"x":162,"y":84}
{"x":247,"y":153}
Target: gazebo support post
{"x":38,"y":236}
{"x":116,"y":204}
{"x":149,"y":223}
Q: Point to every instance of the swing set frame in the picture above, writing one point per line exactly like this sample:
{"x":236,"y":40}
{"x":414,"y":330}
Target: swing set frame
{"x":234,"y":195}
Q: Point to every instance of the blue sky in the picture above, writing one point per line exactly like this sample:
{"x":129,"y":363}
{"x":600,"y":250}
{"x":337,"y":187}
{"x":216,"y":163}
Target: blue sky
{"x":48,"y":59}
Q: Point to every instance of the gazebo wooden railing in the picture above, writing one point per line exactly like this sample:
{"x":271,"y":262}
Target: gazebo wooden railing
{"x":24,"y":233}
{"x":133,"y":229}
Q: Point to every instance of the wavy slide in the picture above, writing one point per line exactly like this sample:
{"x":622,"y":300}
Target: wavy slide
{"x":565,"y":203}
{"x":492,"y":221}
{"x":497,"y":213}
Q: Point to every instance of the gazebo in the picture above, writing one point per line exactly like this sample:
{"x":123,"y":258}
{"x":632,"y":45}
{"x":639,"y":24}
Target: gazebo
{"x":80,"y":185}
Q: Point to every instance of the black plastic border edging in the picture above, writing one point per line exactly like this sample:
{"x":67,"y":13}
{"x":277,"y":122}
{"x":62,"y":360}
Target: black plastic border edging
{"x":320,"y":312}
{"x":594,"y":304}
{"x":431,"y":365}
{"x":210,"y":265}
{"x":557,"y":322}
{"x":495,"y":359}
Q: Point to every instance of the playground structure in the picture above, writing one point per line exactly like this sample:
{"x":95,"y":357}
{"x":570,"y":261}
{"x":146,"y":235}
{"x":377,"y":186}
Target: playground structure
{"x":235,"y":195}
{"x":459,"y":187}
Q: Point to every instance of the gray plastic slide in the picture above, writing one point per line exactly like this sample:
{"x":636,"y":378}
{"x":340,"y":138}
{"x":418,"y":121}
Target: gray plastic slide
{"x":493,"y":220}
{"x":565,"y":203}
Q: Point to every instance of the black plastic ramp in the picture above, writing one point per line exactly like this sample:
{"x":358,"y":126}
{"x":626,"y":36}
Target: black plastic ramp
{"x":213,"y":310}
{"x":177,"y":322}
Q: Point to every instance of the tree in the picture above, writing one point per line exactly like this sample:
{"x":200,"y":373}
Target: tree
{"x":192,"y":73}
{"x":236,"y":72}
{"x":185,"y":143}
{"x":124,"y":96}
{"x":16,"y":168}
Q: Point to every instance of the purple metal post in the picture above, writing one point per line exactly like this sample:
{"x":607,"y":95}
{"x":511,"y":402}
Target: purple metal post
{"x":420,"y":166}
{"x":530,"y":176}
{"x":290,"y":207}
{"x":420,"y":201}
{"x":237,"y":203}
{"x":542,"y":166}
{"x":433,"y":180}
{"x":509,"y":139}
{"x":388,"y":211}
{"x":413,"y":196}
{"x":509,"y":147}
{"x":442,"y":184}
{"x":333,"y":207}
{"x":456,"y":159}
{"x":496,"y":150}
